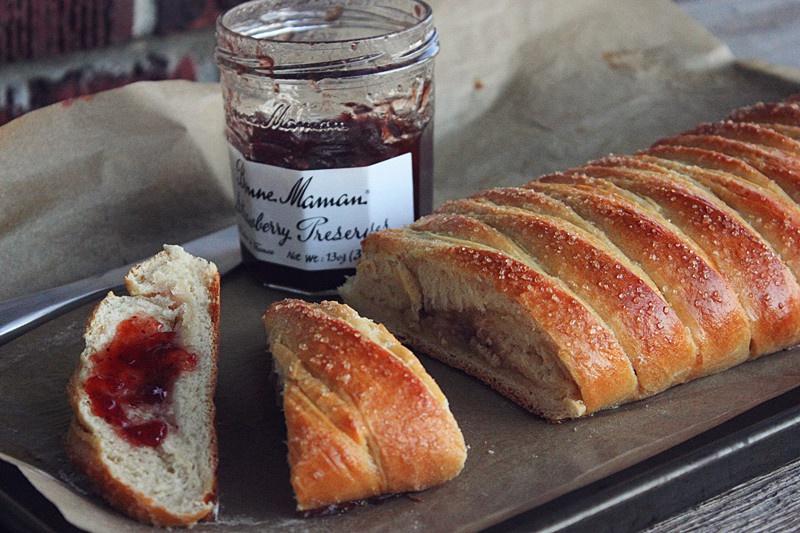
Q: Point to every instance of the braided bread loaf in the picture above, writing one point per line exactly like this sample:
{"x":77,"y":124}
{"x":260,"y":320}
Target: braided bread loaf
{"x":608,"y":282}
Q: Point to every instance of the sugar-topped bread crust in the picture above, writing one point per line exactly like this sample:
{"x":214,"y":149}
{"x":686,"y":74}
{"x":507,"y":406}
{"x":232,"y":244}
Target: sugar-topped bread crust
{"x":363,"y":416}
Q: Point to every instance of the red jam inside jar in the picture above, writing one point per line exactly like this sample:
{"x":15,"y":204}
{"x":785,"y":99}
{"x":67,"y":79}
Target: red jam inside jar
{"x":137,"y":370}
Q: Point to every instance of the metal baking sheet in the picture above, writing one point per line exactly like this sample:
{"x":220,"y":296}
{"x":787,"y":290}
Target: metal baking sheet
{"x":751,"y":444}
{"x":516,"y":461}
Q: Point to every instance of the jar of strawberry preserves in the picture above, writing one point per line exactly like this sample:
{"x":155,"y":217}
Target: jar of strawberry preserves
{"x":329,"y":113}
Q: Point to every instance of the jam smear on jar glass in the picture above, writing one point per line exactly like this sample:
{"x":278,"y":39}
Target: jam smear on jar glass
{"x":137,"y":370}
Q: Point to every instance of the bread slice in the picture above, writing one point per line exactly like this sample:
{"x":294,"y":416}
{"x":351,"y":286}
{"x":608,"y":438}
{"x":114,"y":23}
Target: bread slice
{"x":166,"y":478}
{"x":363,"y":416}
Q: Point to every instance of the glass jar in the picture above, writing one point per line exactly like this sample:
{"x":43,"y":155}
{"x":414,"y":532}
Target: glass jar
{"x":329,"y":113}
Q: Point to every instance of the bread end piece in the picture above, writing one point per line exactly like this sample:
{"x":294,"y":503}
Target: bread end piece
{"x":363,"y":416}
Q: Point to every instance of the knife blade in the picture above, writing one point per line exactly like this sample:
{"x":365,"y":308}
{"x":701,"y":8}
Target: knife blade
{"x":24,"y":313}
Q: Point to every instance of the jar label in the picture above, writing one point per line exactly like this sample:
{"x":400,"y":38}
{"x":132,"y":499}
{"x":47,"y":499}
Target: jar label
{"x":316,"y":219}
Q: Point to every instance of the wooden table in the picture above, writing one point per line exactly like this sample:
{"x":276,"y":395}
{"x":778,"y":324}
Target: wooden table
{"x":768,"y":30}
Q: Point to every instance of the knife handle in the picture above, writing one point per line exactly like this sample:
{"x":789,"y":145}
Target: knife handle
{"x":26,"y":312}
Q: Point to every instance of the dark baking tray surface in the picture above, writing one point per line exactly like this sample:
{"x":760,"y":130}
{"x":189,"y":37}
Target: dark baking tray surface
{"x":618,"y":470}
{"x":751,"y":444}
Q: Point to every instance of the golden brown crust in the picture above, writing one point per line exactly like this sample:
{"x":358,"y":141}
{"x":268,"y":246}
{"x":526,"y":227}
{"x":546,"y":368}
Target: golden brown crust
{"x":694,"y":288}
{"x":766,"y":288}
{"x":587,"y":349}
{"x":711,"y":160}
{"x":360,"y":420}
{"x":750,"y":133}
{"x":787,"y":113}
{"x":655,"y":340}
{"x":214,"y":314}
{"x":775,"y":164}
{"x":782,"y":117}
{"x":530,"y":200}
{"x":327,"y":465}
{"x":84,"y":448}
{"x":793,"y":132}
{"x":773,"y":215}
{"x":466,"y":228}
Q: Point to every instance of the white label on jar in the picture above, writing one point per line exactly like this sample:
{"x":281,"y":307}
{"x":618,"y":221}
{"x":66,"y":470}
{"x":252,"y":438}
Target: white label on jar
{"x":316,"y":219}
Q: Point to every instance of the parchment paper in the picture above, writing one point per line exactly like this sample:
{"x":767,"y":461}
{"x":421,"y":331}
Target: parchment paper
{"x":523,"y":87}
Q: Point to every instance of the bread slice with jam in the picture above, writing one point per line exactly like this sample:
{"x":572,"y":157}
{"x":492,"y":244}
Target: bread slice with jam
{"x":142,"y":395}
